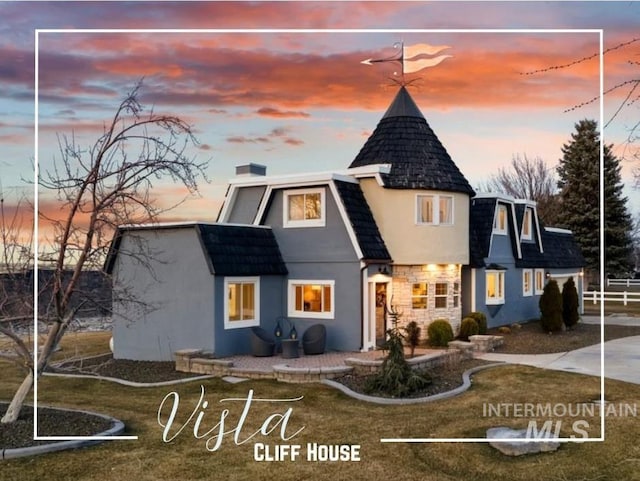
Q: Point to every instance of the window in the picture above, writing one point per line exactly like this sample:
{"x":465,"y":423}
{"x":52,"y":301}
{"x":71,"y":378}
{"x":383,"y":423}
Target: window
{"x":527,"y":224}
{"x":495,"y":287}
{"x":427,"y":213}
{"x":539,"y":281}
{"x":527,"y":282}
{"x":500,"y":222}
{"x":241,"y":302}
{"x":304,"y":208}
{"x":456,"y":294}
{"x":419,"y":295}
{"x":442,"y":292}
{"x":311,"y":299}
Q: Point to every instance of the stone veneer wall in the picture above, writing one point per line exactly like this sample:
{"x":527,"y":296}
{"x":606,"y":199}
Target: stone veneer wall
{"x":403,"y":279}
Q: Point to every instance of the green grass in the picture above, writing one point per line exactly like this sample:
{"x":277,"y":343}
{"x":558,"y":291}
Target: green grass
{"x":332,"y":418}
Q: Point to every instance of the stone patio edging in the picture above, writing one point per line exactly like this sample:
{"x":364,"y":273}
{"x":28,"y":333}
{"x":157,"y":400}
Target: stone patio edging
{"x":124,"y":382}
{"x":116,"y":429}
{"x":466,"y":384}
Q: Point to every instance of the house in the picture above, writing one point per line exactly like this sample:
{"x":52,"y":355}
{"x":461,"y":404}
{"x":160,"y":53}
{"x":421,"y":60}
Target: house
{"x":512,"y":257}
{"x":399,"y":226}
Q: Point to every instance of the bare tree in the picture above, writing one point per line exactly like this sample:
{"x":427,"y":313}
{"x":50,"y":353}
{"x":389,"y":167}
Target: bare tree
{"x":527,"y":178}
{"x":630,"y":90}
{"x":16,"y":287}
{"x":99,"y":188}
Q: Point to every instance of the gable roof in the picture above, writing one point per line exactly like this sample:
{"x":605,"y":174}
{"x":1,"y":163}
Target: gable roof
{"x":480,"y":230}
{"x":231,"y":250}
{"x":418,"y":160}
{"x":560,"y":249}
{"x":364,"y":225}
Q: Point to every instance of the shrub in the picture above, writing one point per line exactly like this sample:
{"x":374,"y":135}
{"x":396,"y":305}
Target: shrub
{"x":481,"y":319}
{"x":468,"y":327}
{"x":551,"y":307}
{"x":504,"y":330}
{"x":396,"y":377}
{"x":440,"y":333}
{"x":412,"y":335}
{"x":570,"y":314}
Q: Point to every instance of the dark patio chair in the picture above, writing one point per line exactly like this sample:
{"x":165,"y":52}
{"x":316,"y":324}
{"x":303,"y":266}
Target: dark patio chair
{"x":314,"y":339}
{"x":262,"y":344}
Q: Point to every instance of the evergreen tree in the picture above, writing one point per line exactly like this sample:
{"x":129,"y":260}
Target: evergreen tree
{"x":579,"y":183}
{"x":550,"y":304}
{"x":570,"y":303}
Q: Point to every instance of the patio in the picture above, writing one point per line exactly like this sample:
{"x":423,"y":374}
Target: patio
{"x":303,"y":368}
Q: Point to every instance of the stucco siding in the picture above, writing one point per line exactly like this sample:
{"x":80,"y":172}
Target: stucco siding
{"x":330,"y":243}
{"x":395,"y":213}
{"x":177,"y":292}
{"x":245,"y":205}
{"x":344,"y":330}
{"x":229,"y":342}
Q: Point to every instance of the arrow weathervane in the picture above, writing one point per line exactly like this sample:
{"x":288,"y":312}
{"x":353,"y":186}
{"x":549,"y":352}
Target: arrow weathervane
{"x":413,"y":58}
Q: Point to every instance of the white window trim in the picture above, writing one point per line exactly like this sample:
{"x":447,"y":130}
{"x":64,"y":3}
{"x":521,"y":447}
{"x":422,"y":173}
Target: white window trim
{"x":492,"y":301}
{"x":496,"y":228}
{"x":441,"y":296}
{"x":535,"y":280}
{"x":528,"y":236}
{"x":454,"y":295}
{"x":425,"y":297}
{"x":291,"y":295}
{"x":321,"y":222}
{"x":529,"y":292}
{"x":229,"y":324}
{"x":436,"y":209}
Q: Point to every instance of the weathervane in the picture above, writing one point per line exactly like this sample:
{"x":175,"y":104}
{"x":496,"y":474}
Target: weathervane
{"x":413,"y":58}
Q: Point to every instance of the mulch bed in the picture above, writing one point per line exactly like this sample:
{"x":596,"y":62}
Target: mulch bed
{"x":443,"y":379}
{"x":51,"y":422}
{"x":531,"y":339}
{"x":136,"y":371}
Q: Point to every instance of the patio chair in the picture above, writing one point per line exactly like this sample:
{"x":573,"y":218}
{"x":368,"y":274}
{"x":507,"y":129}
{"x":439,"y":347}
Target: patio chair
{"x":314,"y":339}
{"x":262,"y":344}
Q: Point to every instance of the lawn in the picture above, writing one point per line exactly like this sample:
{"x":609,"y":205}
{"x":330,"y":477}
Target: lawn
{"x":329,"y":417}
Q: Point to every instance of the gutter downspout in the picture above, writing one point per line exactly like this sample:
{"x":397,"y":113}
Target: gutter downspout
{"x":362,"y":303}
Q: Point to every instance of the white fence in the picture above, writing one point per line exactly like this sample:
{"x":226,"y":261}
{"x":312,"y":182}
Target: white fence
{"x":624,"y":297}
{"x":623,"y":282}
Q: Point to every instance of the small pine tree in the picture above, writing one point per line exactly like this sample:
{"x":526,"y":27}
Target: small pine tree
{"x":570,"y":314}
{"x":551,"y":307}
{"x":396,"y":377}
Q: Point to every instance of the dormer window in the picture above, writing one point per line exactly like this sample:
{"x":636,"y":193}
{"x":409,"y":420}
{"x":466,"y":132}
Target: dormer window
{"x":527,"y":224}
{"x":434,"y":209}
{"x":500,"y":222}
{"x":304,"y":208}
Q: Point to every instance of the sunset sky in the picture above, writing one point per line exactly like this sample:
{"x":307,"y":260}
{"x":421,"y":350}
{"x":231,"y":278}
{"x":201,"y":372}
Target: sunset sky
{"x":301,"y":102}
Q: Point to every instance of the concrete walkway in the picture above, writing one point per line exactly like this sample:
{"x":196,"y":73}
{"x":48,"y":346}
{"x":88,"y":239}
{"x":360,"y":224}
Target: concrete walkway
{"x":621,"y":356}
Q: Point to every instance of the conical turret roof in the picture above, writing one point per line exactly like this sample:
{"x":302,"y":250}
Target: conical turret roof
{"x":404,"y":139}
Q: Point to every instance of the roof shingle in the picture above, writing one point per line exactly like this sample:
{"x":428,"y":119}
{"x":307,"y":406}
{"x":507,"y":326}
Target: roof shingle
{"x":404,"y":139}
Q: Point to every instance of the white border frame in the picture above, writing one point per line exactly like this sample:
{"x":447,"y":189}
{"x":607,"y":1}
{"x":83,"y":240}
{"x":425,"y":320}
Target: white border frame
{"x":497,"y":230}
{"x":598,"y":31}
{"x":529,"y":236}
{"x":436,"y":209}
{"x":230,"y":325}
{"x":298,"y":224}
{"x":536,"y":291}
{"x":291,"y":299}
{"x":525,"y":292}
{"x":497,"y":301}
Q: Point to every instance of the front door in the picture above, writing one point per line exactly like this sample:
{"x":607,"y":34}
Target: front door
{"x":381,"y":311}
